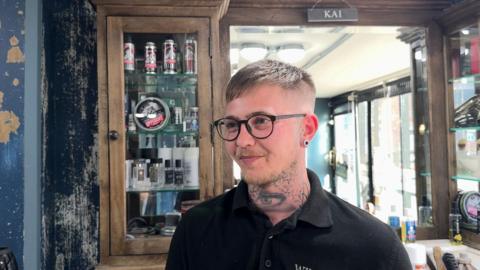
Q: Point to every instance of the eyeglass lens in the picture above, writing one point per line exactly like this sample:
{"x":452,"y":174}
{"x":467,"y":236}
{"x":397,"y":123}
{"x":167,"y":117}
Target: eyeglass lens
{"x":259,"y":126}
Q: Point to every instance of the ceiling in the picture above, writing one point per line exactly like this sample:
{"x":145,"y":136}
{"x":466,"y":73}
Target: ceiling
{"x":340,"y":59}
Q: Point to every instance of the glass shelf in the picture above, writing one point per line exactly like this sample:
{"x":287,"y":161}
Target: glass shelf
{"x":163,"y":132}
{"x":162,"y":189}
{"x":464,"y":128}
{"x":475,"y":77}
{"x":177,"y":80}
{"x":425,"y":174}
{"x":464,"y":177}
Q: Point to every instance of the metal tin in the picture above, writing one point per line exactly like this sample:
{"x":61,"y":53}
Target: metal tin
{"x":169,"y":57}
{"x":190,"y":56}
{"x":150,"y":57}
{"x":129,"y":55}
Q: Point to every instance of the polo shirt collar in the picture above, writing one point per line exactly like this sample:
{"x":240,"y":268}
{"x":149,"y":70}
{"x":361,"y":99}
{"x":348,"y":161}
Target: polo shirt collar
{"x":315,"y":211}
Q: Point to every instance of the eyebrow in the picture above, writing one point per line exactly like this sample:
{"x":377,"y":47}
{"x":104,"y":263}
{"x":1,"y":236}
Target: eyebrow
{"x":248,"y":115}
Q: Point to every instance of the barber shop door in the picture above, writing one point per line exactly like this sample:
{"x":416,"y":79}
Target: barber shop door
{"x":344,"y":158}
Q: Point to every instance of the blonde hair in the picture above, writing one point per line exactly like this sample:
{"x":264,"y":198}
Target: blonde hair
{"x":271,"y":72}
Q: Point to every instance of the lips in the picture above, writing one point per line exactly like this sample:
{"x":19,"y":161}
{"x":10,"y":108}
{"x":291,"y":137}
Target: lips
{"x":248,"y":160}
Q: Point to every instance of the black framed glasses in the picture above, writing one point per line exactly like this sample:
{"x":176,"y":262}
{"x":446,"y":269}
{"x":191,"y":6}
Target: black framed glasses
{"x":260,"y":126}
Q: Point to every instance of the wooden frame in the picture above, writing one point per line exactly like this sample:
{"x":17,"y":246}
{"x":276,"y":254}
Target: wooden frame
{"x":452,"y":20}
{"x":199,"y":16}
{"x":116,"y":26}
{"x":393,"y":13}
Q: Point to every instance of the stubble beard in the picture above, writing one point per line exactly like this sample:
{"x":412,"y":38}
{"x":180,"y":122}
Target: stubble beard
{"x":286,"y":174}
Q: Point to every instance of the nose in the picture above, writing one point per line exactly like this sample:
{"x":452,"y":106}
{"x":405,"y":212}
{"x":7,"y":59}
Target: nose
{"x":244,"y":138}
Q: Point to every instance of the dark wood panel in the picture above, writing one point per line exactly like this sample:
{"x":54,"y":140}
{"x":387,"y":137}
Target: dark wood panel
{"x":438,"y":128}
{"x":370,"y":4}
{"x":298,"y":16}
{"x":171,"y":3}
{"x":464,"y":14}
{"x":138,"y":262}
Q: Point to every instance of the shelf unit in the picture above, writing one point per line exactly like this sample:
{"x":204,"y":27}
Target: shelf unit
{"x":133,"y":209}
{"x":463,"y":83}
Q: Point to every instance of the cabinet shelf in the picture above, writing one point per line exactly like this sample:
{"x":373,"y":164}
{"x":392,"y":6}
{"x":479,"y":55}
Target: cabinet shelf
{"x":464,"y":177}
{"x":454,"y":129}
{"x":161,"y":189}
{"x":176,"y":80}
{"x":475,"y":77}
{"x":425,"y":174}
{"x":163,"y":132}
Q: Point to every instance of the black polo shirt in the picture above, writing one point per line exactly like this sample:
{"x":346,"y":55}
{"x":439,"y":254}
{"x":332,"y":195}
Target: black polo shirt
{"x":326,"y":233}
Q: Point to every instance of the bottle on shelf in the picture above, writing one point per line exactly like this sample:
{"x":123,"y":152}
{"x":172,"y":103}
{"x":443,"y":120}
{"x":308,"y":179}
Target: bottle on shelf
{"x":425,"y":213}
{"x":169,"y":173}
{"x":139,"y":174}
{"x":190,"y":165}
{"x":155,"y":172}
{"x":131,"y":124}
{"x":454,"y":233}
{"x":179,"y":173}
{"x":191,"y":121}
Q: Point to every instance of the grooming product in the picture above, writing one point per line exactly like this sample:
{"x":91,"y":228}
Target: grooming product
{"x":418,"y":255}
{"x":129,"y":54}
{"x":454,"y":219}
{"x":179,"y":173}
{"x":150,"y":57}
{"x":450,"y":261}
{"x":437,"y":255}
{"x":190,"y":165}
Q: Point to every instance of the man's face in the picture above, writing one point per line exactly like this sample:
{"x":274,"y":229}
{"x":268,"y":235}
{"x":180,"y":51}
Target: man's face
{"x":263,"y":160}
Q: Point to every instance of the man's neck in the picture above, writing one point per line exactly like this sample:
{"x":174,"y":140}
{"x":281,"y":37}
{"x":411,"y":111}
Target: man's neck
{"x":280,"y":199}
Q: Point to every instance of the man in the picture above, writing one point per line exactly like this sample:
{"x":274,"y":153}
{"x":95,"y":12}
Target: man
{"x":278,"y":217}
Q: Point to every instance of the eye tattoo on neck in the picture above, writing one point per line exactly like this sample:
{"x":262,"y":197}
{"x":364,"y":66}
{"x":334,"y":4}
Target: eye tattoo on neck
{"x":271,"y":199}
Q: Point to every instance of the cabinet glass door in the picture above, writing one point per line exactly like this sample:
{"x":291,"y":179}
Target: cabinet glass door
{"x":464,"y":49}
{"x":346,"y":183}
{"x":158,"y":86}
{"x":465,"y":69}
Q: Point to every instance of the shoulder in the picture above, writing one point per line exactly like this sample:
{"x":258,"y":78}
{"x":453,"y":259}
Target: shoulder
{"x":358,"y":223}
{"x":211,"y":208}
{"x":359,"y":228}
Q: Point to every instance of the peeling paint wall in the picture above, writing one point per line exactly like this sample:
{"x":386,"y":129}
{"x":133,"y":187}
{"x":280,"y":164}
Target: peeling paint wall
{"x":12,"y":74}
{"x":70,"y":191}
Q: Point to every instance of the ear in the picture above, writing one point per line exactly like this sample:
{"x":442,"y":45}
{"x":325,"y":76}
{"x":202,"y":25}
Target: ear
{"x":310,"y":125}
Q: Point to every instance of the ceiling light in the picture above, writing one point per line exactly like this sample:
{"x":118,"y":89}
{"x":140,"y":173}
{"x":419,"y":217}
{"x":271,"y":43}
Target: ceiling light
{"x":253,"y":51}
{"x":291,"y":53}
{"x":465,"y":31}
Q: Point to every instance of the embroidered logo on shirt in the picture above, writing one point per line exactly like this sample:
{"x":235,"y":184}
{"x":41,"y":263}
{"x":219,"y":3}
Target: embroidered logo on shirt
{"x":301,"y":267}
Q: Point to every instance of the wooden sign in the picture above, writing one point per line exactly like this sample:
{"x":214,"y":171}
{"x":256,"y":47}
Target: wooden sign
{"x":333,"y":15}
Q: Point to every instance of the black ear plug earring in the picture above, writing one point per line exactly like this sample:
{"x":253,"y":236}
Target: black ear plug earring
{"x":305,"y":143}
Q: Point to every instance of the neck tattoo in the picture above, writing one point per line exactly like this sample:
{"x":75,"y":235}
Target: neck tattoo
{"x":281,"y":195}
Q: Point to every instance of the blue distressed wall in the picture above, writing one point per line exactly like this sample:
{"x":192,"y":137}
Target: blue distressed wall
{"x":12,"y":74}
{"x":70,"y":191}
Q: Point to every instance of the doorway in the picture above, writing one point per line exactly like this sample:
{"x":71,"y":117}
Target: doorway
{"x":365,"y":149}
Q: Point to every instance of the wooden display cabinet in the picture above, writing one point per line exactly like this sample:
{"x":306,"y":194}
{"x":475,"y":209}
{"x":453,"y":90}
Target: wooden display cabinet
{"x":462,"y":52}
{"x":157,"y":153}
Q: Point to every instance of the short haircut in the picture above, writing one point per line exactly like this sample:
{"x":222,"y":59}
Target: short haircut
{"x":271,"y":72}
